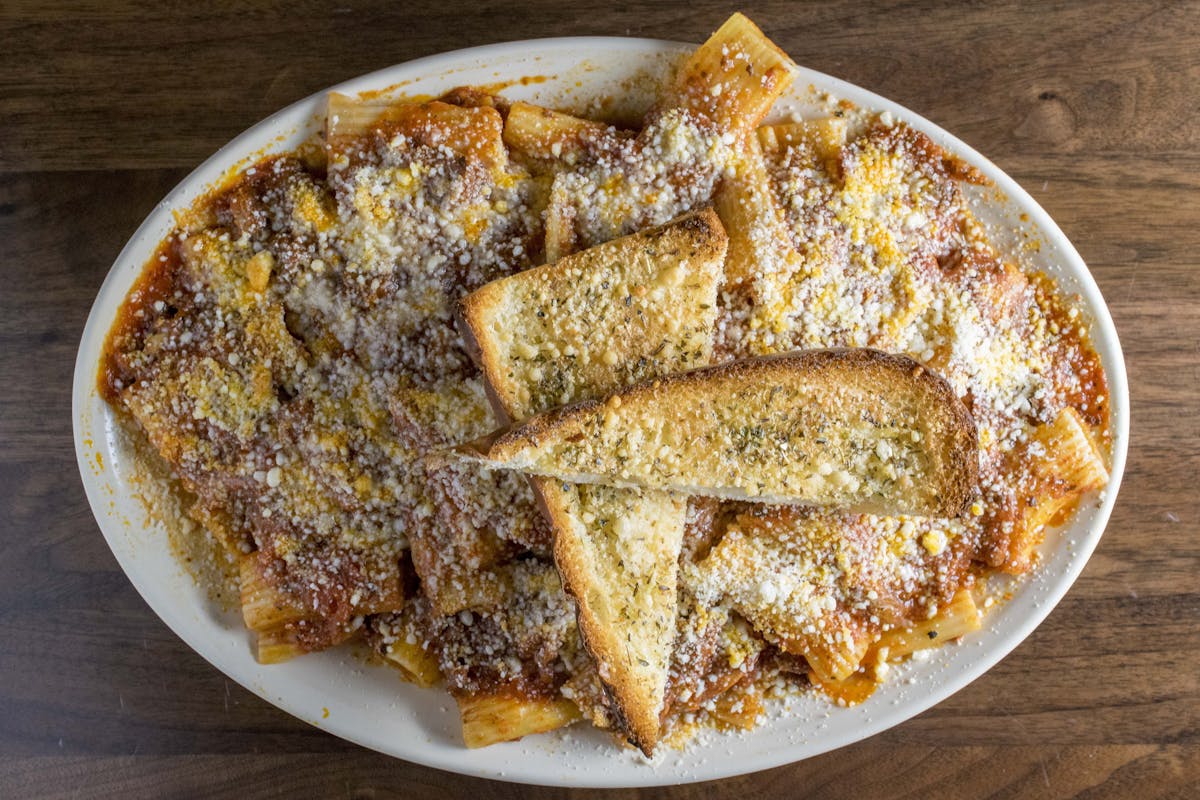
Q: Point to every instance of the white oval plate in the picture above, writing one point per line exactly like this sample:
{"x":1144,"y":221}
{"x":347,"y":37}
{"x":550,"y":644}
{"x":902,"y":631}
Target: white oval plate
{"x":371,"y":705}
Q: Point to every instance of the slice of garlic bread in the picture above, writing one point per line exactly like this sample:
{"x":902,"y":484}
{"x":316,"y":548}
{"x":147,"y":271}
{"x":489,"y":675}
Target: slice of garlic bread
{"x":625,"y":311}
{"x":617,"y":551}
{"x":632,"y":309}
{"x":853,"y":429}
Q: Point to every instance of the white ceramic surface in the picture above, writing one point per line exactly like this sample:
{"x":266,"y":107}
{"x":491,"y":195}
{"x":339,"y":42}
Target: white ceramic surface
{"x":369,"y":705}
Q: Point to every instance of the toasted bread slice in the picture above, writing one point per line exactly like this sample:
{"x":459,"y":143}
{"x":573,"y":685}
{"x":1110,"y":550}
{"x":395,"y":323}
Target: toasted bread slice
{"x":854,"y":429}
{"x":604,"y":318}
{"x":617,"y":551}
{"x":631,"y":309}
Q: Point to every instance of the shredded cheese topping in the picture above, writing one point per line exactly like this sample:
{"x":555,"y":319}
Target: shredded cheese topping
{"x":292,"y":354}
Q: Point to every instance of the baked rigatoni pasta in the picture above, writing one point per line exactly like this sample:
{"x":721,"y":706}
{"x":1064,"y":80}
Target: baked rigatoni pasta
{"x":292,"y":355}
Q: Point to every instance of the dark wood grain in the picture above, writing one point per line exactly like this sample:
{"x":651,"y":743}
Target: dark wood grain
{"x":1090,"y":106}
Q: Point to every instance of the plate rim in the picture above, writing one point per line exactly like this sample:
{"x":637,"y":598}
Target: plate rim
{"x":1104,"y":336}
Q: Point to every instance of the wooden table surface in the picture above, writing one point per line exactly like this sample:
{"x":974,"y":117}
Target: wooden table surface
{"x":1093,"y":107}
